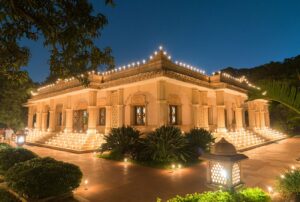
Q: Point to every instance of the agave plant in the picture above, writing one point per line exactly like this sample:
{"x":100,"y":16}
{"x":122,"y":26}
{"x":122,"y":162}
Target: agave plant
{"x":166,"y":144}
{"x":199,"y":141}
{"x":278,"y":91}
{"x":121,"y":141}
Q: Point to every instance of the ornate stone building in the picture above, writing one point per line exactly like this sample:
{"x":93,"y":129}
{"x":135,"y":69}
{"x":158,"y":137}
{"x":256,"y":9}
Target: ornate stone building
{"x":145,"y":95}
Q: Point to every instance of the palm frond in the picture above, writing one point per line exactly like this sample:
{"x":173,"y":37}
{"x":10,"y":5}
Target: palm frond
{"x":279,"y":91}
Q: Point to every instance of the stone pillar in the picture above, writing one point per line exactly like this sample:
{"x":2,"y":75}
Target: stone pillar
{"x":251,"y":113}
{"x":221,"y":117}
{"x":262,"y":119}
{"x":267,"y":118}
{"x":30,"y":118}
{"x":204,"y":110}
{"x":92,"y":120}
{"x":44,"y":121}
{"x":195,"y":113}
{"x":120,"y":108}
{"x":239,"y":117}
{"x":205,"y":117}
{"x":38,"y":120}
{"x":108,"y":119}
{"x":92,"y":112}
{"x":257,"y":119}
{"x":69,"y":120}
{"x":220,"y":110}
{"x":162,"y":108}
{"x":52,"y":122}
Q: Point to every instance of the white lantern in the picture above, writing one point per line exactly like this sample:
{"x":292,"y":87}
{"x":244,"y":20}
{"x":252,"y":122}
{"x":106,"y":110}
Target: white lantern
{"x":224,"y":165}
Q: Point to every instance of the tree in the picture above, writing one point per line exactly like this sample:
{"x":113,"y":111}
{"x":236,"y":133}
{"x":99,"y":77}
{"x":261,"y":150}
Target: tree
{"x":13,"y":95}
{"x":66,"y":27}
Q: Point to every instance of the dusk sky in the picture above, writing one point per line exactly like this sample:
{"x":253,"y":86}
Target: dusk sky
{"x":210,"y":34}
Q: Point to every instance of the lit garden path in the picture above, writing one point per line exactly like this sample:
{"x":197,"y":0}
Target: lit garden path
{"x":119,"y":181}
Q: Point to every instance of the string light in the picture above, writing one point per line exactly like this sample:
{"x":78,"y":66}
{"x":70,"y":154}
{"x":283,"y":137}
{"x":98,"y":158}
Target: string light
{"x":124,"y":67}
{"x":240,"y":79}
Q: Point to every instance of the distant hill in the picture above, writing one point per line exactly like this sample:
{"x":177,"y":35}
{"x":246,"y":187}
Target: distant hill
{"x":289,"y":69}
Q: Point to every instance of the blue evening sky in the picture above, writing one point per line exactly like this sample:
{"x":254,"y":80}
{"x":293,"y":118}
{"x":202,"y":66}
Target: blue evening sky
{"x":210,"y":34}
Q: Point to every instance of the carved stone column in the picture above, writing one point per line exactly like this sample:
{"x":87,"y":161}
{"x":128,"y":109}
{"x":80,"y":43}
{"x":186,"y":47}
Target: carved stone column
{"x":92,"y":120}
{"x":52,"y":123}
{"x":162,"y":109}
{"x":221,"y":117}
{"x":205,"y":117}
{"x":267,"y":118}
{"x":44,"y":121}
{"x":108,"y":119}
{"x":220,"y":101}
{"x":38,"y":120}
{"x":251,"y":113}
{"x":262,"y":119}
{"x":239,"y":117}
{"x":257,"y":119}
{"x":30,"y":118}
{"x":69,"y":120}
{"x":92,"y":112}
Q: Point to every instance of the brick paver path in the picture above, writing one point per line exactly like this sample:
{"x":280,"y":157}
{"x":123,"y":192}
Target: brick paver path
{"x":112,"y":181}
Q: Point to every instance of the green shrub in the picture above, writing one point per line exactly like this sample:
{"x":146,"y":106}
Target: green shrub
{"x":289,"y":186}
{"x":217,"y":196}
{"x":6,"y":196}
{"x":245,"y":195}
{"x":43,"y":177}
{"x":10,"y":156}
{"x":199,"y":141}
{"x":121,"y":141}
{"x":166,"y":144}
{"x":252,"y":195}
{"x":4,"y":146}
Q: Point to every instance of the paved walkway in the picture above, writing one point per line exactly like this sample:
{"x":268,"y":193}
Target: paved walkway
{"x":112,"y":181}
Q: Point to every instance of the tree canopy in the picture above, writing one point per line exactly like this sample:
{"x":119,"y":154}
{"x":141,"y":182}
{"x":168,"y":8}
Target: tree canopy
{"x":67,"y":28}
{"x":12,"y":97}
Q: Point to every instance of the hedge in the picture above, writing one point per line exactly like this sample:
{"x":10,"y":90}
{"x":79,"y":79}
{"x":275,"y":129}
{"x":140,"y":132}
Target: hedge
{"x":43,"y":177}
{"x":11,"y":156}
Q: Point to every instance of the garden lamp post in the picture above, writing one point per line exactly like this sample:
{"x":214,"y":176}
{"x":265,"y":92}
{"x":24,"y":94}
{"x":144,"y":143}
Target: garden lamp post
{"x":224,"y":165}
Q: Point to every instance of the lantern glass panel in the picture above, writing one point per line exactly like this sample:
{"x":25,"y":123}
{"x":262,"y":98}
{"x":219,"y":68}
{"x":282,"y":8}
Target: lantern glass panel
{"x":236,"y":174}
{"x":218,"y":174}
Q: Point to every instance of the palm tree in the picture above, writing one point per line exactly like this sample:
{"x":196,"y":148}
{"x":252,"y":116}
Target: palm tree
{"x":279,"y":91}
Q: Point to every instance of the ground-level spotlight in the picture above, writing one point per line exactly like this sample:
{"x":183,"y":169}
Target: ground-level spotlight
{"x":179,"y":166}
{"x":270,"y":189}
{"x":85,"y":184}
{"x":125,"y":160}
{"x":173,"y":166}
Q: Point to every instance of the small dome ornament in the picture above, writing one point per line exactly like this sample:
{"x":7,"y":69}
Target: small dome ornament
{"x":223,"y":147}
